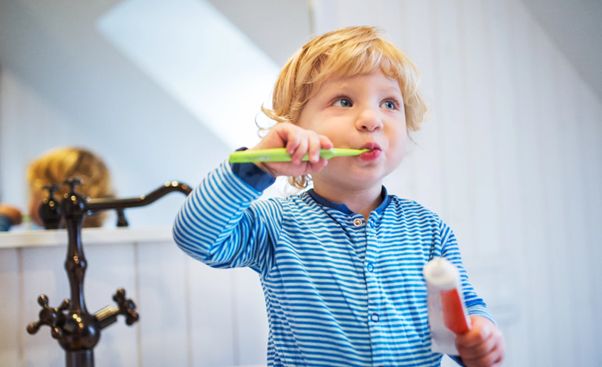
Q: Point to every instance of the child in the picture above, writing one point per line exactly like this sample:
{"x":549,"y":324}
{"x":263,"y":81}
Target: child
{"x":57,"y":165}
{"x":340,"y":264}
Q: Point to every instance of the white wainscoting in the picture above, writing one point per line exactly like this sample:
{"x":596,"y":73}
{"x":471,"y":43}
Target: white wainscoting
{"x":190,"y":314}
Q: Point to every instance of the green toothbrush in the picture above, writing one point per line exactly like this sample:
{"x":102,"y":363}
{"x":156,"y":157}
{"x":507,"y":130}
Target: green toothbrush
{"x":281,"y":155}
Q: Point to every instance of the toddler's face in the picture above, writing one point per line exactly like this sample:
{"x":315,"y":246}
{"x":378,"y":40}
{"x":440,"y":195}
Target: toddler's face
{"x":363,"y":111}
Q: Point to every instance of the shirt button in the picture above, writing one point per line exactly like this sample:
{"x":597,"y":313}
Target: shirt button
{"x":374,"y":317}
{"x":358,"y":222}
{"x":370,"y":267}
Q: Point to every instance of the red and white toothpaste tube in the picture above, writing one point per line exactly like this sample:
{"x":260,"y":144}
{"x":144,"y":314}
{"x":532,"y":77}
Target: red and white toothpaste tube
{"x":447,"y":312}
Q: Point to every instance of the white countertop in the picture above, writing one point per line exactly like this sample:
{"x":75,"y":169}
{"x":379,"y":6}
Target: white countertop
{"x":58,"y":237}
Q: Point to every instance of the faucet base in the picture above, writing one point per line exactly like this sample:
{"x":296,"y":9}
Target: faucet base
{"x":80,"y":358}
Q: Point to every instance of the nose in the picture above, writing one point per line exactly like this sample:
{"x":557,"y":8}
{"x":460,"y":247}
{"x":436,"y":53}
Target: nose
{"x":369,"y":119}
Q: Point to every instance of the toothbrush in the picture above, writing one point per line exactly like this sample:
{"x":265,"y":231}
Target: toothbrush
{"x":281,"y":155}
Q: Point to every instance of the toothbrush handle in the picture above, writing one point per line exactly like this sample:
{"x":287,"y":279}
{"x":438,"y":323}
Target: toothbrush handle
{"x":281,"y":155}
{"x":271,"y":155}
{"x":260,"y":155}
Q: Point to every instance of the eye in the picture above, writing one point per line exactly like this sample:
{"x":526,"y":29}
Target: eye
{"x":343,"y":102}
{"x":390,"y":104}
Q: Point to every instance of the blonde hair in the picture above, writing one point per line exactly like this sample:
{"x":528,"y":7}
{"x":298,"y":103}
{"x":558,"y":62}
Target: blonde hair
{"x":60,"y":164}
{"x":342,"y":53}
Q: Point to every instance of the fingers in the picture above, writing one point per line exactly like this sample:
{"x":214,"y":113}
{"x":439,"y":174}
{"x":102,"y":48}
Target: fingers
{"x":301,"y":149}
{"x":493,"y":359}
{"x":482,"y":346}
{"x":325,"y":142}
{"x":318,"y":142}
{"x":480,"y":330}
{"x":306,"y":142}
{"x":477,"y":348}
{"x":314,"y":146}
{"x":298,"y":142}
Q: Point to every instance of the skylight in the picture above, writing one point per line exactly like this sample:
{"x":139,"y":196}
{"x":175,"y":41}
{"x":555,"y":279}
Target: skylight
{"x":200,"y":58}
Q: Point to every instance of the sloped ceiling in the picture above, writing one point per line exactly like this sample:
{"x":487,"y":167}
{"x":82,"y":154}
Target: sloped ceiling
{"x":280,"y":27}
{"x":576,"y":27}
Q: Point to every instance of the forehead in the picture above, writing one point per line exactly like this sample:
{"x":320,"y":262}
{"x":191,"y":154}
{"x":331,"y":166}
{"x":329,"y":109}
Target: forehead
{"x":375,"y":81}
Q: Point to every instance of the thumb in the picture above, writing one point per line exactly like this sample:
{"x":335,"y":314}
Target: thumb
{"x":480,"y":329}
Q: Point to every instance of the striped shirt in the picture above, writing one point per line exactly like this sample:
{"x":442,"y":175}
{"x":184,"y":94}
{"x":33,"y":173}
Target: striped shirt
{"x":339,"y":290}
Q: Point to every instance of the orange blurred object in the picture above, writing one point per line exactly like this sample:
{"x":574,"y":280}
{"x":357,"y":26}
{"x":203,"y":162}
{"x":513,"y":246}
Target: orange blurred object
{"x":12,"y":213}
{"x":454,"y":316}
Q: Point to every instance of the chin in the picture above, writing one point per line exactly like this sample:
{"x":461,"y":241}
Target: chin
{"x":365,"y":180}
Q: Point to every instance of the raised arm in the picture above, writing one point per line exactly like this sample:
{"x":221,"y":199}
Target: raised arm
{"x":219,"y":226}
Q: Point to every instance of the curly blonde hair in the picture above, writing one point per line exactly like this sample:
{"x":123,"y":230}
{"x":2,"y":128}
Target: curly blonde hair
{"x":56,"y":166}
{"x":343,"y":53}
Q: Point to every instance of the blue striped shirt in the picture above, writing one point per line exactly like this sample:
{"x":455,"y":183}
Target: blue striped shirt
{"x":339,"y":290}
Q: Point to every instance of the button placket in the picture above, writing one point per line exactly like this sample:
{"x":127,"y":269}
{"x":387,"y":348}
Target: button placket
{"x":369,"y":266}
{"x":372,"y":246}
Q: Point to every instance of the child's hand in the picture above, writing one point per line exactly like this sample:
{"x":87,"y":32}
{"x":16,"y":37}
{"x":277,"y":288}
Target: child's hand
{"x":483,"y":345}
{"x":298,"y":142}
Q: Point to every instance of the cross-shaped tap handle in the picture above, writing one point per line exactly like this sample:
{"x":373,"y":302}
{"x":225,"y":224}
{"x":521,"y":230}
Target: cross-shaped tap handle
{"x":73,"y":182}
{"x":50,"y":210}
{"x":51,"y":316}
{"x":51,"y":189}
{"x":127,"y":307}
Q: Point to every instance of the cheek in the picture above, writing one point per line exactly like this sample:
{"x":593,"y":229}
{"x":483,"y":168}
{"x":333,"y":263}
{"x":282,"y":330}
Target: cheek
{"x":331,"y":131}
{"x":403,"y":141}
{"x":398,"y":134}
{"x":398,"y":145}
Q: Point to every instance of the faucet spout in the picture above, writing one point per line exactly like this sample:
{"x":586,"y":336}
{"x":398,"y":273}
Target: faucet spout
{"x":99,"y":204}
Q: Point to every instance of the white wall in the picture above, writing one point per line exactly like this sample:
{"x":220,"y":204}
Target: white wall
{"x":62,"y":84}
{"x":510,"y":157}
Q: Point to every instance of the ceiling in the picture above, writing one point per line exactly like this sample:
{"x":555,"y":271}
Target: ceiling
{"x":576,"y":28}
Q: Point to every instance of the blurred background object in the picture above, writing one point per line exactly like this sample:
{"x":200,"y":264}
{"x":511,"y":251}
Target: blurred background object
{"x":48,"y":173}
{"x":9,"y":216}
{"x":510,"y":156}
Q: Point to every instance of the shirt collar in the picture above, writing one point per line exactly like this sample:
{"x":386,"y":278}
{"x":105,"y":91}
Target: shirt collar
{"x":343,"y":208}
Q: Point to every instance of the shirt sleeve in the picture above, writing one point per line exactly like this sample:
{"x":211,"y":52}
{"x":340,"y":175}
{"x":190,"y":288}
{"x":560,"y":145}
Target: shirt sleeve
{"x":221,"y":225}
{"x":450,"y":250}
{"x":475,"y":304}
{"x":253,"y":175}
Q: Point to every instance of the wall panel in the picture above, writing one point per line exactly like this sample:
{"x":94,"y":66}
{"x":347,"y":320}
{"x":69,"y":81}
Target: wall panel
{"x":190,"y":314}
{"x":514,"y":136}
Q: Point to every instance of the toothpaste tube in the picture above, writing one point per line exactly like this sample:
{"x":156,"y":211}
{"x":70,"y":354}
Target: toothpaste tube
{"x":447,"y":312}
